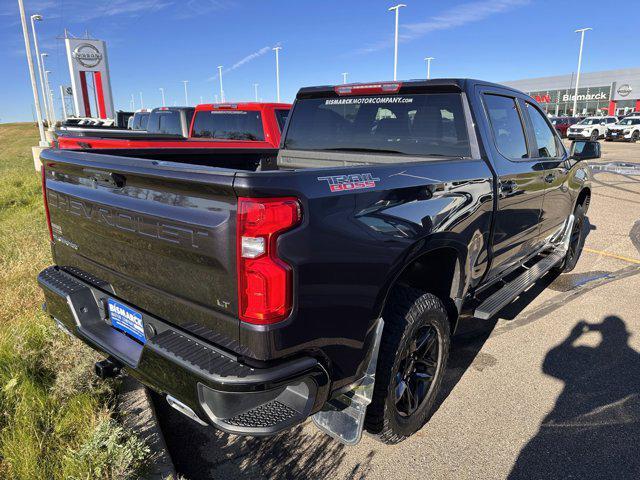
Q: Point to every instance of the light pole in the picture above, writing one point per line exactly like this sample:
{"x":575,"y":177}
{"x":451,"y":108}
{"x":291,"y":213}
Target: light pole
{"x":52,"y":113}
{"x":575,"y":97}
{"x":186,"y":95}
{"x":64,"y":106}
{"x":32,"y":76}
{"x":428,"y":60}
{"x":162,"y":92}
{"x":277,"y":50}
{"x":395,"y":53}
{"x":201,"y":100}
{"x":255,"y":90}
{"x":133,"y":103}
{"x":221,"y":89}
{"x":344,"y":77}
{"x":141,"y":102}
{"x":34,"y":19}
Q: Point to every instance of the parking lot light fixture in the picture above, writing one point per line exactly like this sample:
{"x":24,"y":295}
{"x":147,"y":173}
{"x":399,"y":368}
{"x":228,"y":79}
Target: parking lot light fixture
{"x":344,"y":77}
{"x":221,"y":89}
{"x":186,"y":93}
{"x":162,"y":93}
{"x":34,"y":19}
{"x":395,"y":48}
{"x":277,"y":50}
{"x":428,"y":60}
{"x":32,"y":76}
{"x":255,"y":90}
{"x":575,"y":97}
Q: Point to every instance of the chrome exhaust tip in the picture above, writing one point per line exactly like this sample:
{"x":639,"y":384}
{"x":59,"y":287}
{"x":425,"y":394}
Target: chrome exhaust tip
{"x":185,"y":410}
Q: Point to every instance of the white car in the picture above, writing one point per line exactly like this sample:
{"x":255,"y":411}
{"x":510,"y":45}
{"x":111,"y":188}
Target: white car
{"x":592,"y":128}
{"x":627,"y":129}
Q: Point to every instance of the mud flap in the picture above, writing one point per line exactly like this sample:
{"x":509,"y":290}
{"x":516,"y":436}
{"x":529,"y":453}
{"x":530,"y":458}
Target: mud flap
{"x":343,"y":417}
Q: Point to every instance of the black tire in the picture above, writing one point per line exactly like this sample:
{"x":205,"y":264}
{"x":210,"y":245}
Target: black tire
{"x":576,"y":244}
{"x":416,"y":325}
{"x":635,"y":136}
{"x":595,"y":135}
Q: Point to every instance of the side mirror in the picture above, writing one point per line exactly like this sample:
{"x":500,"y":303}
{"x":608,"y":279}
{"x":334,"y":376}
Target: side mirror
{"x":584,"y":150}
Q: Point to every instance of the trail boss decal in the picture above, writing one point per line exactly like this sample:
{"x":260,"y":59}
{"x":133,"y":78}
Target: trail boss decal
{"x":354,"y":181}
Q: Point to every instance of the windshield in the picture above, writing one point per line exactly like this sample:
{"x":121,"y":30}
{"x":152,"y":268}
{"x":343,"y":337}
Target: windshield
{"x":629,"y":121}
{"x":228,"y":125}
{"x":140,"y":121}
{"x":418,"y":124}
{"x":591,"y":121}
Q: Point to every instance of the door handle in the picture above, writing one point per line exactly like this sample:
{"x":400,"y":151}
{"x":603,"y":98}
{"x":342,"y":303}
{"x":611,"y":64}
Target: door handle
{"x":508,"y":187}
{"x":550,"y":178}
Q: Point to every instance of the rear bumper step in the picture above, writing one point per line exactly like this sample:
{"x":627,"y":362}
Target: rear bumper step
{"x":216,"y":386}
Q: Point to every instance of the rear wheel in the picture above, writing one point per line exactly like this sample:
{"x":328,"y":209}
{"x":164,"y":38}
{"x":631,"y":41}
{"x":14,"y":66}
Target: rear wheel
{"x":411,"y":363}
{"x":635,"y":136}
{"x":595,"y":135}
{"x":578,"y":236}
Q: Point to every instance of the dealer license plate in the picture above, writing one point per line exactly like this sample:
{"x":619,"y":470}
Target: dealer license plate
{"x":126,"y":319}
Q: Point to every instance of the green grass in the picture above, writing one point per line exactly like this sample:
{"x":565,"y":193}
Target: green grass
{"x":57,"y":421}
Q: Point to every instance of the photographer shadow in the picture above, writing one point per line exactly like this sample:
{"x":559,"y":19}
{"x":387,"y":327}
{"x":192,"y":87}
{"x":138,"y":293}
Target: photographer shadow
{"x":594,"y":428}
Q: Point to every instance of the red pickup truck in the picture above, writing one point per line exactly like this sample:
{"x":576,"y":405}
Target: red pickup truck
{"x":226,"y":125}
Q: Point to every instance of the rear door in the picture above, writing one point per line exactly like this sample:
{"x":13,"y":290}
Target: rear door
{"x":161,"y":234}
{"x":551,"y":158}
{"x":521,"y":186}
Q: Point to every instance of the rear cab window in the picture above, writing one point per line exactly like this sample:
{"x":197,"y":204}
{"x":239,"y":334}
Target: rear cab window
{"x":421,"y":124}
{"x":228,"y":125}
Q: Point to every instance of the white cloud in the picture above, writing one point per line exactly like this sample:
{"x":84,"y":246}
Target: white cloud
{"x":454,"y":17}
{"x":245,"y":60}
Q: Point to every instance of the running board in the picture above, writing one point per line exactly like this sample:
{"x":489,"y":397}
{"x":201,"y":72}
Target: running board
{"x":515,"y":287}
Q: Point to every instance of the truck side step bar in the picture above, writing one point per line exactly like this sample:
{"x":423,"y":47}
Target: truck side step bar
{"x":515,"y":287}
{"x":493,"y":304}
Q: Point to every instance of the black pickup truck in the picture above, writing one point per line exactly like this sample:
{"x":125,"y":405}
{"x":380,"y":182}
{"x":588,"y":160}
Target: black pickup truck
{"x":328,"y":281}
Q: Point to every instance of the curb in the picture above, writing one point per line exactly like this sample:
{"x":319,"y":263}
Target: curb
{"x":138,"y":414}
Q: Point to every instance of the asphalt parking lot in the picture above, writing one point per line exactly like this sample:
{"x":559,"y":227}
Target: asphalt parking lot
{"x":550,"y":389}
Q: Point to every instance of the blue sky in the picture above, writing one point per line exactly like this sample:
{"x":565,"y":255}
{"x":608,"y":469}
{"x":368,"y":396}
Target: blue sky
{"x":159,"y":43}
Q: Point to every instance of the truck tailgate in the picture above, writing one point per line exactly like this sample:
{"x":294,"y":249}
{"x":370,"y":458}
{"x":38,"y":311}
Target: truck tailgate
{"x":160,"y":234}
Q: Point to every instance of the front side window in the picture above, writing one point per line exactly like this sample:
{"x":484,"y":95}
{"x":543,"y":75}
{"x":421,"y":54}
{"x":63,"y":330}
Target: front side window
{"x":506,"y":125}
{"x":228,"y":125}
{"x":545,"y":138}
{"x":429,"y":124}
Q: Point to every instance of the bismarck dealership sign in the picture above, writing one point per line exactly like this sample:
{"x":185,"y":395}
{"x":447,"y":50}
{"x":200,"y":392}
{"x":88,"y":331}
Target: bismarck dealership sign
{"x":586,"y":97}
{"x":87,"y":55}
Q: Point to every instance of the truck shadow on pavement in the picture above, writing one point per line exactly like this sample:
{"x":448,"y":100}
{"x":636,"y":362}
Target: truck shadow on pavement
{"x":203,"y":452}
{"x":594,"y":428}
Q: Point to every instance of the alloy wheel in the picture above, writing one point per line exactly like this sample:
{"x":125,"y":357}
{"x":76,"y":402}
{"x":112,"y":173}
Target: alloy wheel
{"x":417,"y":371}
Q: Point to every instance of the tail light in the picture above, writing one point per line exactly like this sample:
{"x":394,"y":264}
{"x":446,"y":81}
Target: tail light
{"x":264,"y":280}
{"x":46,"y":202}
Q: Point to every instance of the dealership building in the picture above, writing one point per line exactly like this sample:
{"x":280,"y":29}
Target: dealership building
{"x":611,"y":92}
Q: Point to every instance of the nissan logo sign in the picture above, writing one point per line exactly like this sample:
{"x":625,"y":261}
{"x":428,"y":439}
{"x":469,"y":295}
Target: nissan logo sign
{"x":87,"y":55}
{"x":624,"y":90}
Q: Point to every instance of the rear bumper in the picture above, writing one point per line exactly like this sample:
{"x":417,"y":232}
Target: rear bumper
{"x":217,"y":386}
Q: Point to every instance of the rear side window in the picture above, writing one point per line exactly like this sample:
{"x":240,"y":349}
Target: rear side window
{"x":281,"y":117}
{"x":228,"y":125}
{"x":506,"y":125}
{"x":431,"y":124}
{"x":545,"y":138}
{"x":165,"y":122}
